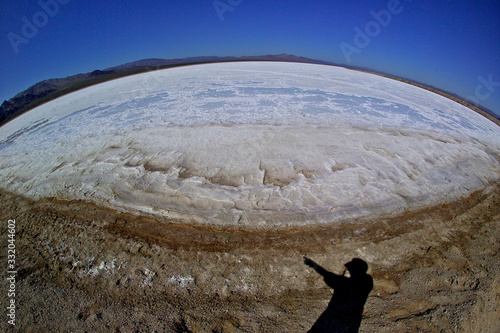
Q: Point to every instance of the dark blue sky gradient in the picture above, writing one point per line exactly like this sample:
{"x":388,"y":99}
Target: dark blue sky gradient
{"x":448,"y":44}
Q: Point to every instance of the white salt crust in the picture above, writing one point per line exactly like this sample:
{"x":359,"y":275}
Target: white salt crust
{"x":254,"y":144}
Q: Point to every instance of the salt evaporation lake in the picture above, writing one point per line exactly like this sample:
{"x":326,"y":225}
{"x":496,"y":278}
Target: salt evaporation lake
{"x":257,"y":144}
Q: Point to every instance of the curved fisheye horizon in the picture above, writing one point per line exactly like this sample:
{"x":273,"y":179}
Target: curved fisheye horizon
{"x":48,"y":90}
{"x":283,"y":162}
{"x":451,"y":47}
{"x":250,"y":166}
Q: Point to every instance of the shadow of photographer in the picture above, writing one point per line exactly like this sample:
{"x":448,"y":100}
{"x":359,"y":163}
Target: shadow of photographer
{"x":345,"y":309}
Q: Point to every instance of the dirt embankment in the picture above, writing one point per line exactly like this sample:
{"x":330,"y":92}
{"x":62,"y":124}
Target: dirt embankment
{"x":84,"y":268}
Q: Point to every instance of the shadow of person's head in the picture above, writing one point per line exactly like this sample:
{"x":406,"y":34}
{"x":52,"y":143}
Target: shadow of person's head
{"x":357,"y":267}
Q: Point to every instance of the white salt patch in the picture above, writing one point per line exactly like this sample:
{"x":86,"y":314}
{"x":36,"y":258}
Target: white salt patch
{"x":149,"y":274}
{"x":256,"y":144}
{"x":181,"y":281}
{"x":93,"y":270}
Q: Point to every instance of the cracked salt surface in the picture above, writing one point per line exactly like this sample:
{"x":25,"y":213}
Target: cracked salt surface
{"x":255,"y":144}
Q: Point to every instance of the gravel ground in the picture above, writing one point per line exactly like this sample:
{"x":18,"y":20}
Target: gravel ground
{"x":84,"y":268}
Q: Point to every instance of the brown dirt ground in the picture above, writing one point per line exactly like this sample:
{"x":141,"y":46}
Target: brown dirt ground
{"x":84,"y":268}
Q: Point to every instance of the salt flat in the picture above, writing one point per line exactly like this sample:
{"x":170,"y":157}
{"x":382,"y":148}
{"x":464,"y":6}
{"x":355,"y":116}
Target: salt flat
{"x":253,"y":143}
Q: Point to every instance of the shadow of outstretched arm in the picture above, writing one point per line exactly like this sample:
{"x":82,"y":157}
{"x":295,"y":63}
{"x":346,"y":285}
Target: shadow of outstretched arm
{"x":315,"y":266}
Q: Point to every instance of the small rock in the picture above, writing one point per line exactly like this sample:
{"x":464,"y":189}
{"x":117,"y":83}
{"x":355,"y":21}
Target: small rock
{"x":382,"y":287}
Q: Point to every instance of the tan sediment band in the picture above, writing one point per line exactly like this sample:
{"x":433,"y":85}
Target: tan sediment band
{"x":308,"y":238}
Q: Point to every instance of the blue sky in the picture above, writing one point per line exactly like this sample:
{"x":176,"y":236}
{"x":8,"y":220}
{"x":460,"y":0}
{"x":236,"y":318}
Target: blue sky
{"x":452,"y":45}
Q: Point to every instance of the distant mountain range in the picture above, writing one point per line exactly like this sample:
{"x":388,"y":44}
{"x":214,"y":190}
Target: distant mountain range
{"x":47,"y":90}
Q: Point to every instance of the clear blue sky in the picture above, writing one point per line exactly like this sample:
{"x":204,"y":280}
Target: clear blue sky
{"x":452,"y":45}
